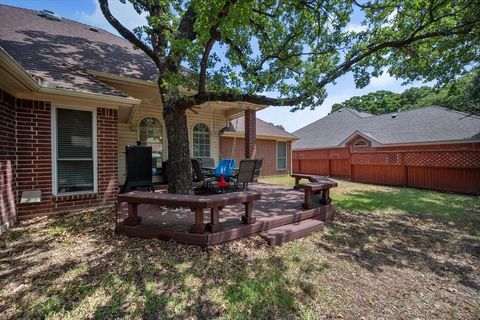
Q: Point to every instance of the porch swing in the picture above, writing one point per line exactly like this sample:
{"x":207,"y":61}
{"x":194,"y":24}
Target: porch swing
{"x":226,"y":168}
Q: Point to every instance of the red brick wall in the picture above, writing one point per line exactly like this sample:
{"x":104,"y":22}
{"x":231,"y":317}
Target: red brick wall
{"x":34,"y":164}
{"x":33,"y":168}
{"x":7,"y":160}
{"x":107,"y":146}
{"x":266,"y":149}
{"x":250,"y":133}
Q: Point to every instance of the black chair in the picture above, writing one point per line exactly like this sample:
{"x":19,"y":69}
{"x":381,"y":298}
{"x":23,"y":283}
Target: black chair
{"x":258,"y":169}
{"x":199,"y":179}
{"x":138,"y":168}
{"x":208,"y":162}
{"x":246,"y":173}
{"x":207,"y":165}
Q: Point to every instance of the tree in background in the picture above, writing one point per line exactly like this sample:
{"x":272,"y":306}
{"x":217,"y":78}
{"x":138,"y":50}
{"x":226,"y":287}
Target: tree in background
{"x":461,"y":95}
{"x":377,"y":102}
{"x":293,"y":48}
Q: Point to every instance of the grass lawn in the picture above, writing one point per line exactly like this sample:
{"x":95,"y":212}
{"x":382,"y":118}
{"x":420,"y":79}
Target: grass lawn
{"x":392,"y":253}
{"x":383,"y":200}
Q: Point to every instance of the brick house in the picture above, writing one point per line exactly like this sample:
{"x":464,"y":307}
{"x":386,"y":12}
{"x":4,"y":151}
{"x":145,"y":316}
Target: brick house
{"x":429,"y":148}
{"x":273,"y":145}
{"x":73,"y":96}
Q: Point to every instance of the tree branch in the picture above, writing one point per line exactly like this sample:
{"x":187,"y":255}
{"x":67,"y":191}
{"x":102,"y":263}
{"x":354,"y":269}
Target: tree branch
{"x":399,"y":44}
{"x":127,"y":34}
{"x":185,"y":31}
{"x":189,"y":102}
{"x":186,"y":27}
{"x":204,"y":62}
{"x":214,"y":36}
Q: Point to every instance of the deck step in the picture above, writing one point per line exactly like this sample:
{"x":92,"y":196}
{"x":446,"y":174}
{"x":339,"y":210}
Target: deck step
{"x":289,"y":232}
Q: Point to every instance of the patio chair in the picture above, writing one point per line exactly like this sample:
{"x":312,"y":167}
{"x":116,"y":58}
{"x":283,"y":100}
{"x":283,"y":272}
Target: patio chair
{"x":200,"y":181}
{"x":208,"y":162}
{"x":208,"y":166}
{"x":246,"y":173}
{"x":258,"y":169}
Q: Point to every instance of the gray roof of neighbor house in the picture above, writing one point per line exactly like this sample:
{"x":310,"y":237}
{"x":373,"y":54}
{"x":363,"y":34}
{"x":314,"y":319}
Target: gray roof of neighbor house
{"x":262,"y":128}
{"x":61,"y":51}
{"x":431,"y":124}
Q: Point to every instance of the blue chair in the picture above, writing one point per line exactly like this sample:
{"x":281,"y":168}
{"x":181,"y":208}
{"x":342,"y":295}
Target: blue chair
{"x":225,"y":167}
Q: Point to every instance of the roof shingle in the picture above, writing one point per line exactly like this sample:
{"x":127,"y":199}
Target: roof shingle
{"x":431,"y":124}
{"x":60,"y":51}
{"x":262,"y":128}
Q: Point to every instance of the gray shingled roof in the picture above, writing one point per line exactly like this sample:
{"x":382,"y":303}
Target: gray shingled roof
{"x":431,"y":124}
{"x":61,"y":51}
{"x":262,"y":128}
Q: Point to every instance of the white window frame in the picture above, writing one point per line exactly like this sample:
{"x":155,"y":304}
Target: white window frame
{"x":55,"y":153}
{"x":210,"y":139}
{"x":286,"y":155}
{"x":162,"y":133}
{"x":162,"y":125}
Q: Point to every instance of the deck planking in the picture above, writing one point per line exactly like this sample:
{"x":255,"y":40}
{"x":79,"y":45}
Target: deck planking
{"x":279,"y":206}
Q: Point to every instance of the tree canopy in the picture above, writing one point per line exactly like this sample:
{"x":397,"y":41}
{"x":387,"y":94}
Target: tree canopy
{"x":230,"y":50}
{"x":461,"y":95}
{"x":297,"y":47}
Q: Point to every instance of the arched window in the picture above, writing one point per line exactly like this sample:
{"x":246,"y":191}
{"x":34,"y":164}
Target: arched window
{"x":201,"y":141}
{"x":150,"y":134}
{"x":360,"y":143}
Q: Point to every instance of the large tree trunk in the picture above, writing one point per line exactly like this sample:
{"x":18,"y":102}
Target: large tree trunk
{"x":179,"y":164}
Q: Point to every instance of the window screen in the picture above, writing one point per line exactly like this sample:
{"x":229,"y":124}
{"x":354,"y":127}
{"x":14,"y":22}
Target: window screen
{"x":281,"y":155}
{"x":74,"y":151}
{"x":201,"y":141}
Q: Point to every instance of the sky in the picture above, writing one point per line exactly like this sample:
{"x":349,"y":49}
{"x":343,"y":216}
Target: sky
{"x":88,"y":12}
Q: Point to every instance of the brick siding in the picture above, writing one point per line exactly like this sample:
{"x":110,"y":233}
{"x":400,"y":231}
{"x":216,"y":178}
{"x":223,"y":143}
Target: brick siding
{"x":266,"y":149}
{"x":250,"y":133}
{"x":34,"y":166}
{"x":7,"y":161}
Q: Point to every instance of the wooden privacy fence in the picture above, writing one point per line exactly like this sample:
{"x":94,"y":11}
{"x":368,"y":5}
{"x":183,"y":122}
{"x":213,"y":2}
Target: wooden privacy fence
{"x":453,"y":170}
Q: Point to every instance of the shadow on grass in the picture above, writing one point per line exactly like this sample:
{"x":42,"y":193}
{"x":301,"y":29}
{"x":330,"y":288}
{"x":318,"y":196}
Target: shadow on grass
{"x":82,"y":269}
{"x":407,"y":241}
{"x":74,"y":265}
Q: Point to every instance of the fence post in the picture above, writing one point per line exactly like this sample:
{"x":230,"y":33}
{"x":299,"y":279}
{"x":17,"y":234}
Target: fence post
{"x":350,"y":174}
{"x":405,"y":169}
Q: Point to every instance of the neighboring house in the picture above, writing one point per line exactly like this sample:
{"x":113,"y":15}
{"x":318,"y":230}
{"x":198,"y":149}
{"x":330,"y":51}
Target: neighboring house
{"x":72,"y":97}
{"x":274,"y":145}
{"x":431,"y":148}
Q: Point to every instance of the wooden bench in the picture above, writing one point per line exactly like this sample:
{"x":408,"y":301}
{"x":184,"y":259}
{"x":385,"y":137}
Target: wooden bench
{"x":317,"y":192}
{"x":309,"y":177}
{"x":196,"y":203}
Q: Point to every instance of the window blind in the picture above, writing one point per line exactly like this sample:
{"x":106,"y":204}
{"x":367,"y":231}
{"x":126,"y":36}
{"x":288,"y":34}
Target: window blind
{"x":281,"y":155}
{"x":74,"y":151}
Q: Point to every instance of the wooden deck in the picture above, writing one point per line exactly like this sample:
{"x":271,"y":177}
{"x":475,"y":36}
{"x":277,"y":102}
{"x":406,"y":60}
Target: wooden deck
{"x":279,"y":206}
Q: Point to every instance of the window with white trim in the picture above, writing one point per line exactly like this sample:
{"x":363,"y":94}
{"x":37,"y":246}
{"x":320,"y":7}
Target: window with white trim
{"x":201,"y":141}
{"x":151,"y":134}
{"x":281,"y":155}
{"x":360,"y":143}
{"x":74,"y":151}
